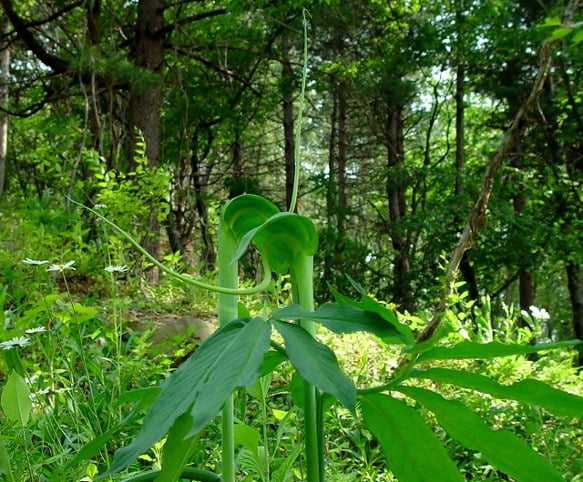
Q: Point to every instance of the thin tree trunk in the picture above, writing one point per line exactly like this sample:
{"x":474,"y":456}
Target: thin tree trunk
{"x":331,"y":187}
{"x":145,"y":104}
{"x":466,"y":268}
{"x":146,"y":93}
{"x":575,"y":285}
{"x":4,"y":98}
{"x":402,"y":295}
{"x":341,"y":166}
{"x":287,"y":83}
{"x":525,"y":282}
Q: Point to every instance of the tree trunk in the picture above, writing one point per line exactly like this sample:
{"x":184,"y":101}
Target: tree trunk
{"x":146,"y":93}
{"x":526,"y":285}
{"x":341,"y":166}
{"x":466,"y":268}
{"x":575,"y":285}
{"x":402,"y":295}
{"x":145,"y":104}
{"x":4,"y":97}
{"x":287,"y":87}
{"x":331,"y":186}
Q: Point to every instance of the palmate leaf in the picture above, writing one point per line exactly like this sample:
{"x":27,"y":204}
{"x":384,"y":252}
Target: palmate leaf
{"x":316,"y":363}
{"x":229,"y":358}
{"x":470,"y":349}
{"x":501,"y":448}
{"x":345,"y":319}
{"x":368,"y":304}
{"x":413,"y":452}
{"x":529,"y":392}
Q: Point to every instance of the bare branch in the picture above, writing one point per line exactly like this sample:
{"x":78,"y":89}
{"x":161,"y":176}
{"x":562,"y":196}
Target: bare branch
{"x":56,"y":63}
{"x":477,"y":215}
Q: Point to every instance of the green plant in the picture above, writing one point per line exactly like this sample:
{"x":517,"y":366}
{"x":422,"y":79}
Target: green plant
{"x":190,"y":398}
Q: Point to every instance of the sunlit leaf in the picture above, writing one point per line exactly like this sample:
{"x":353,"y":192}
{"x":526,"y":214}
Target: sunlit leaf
{"x":413,"y":452}
{"x":344,"y":319}
{"x":16,"y":402}
{"x":229,"y":358}
{"x":501,"y":448}
{"x":530,"y":392}
{"x":470,"y":349}
{"x":316,"y":363}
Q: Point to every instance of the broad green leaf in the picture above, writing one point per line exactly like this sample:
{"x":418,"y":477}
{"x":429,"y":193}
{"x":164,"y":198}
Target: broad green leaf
{"x":344,"y":319}
{"x":229,"y":358}
{"x":246,"y":436}
{"x":501,"y":448}
{"x":551,"y":22}
{"x":16,"y":401}
{"x":253,"y":463}
{"x":316,"y":363}
{"x":271,"y":360}
{"x":413,"y":452}
{"x":282,"y":239}
{"x":470,"y":349}
{"x":577,"y":37}
{"x":178,"y":449}
{"x":530,"y":392}
{"x":559,"y":33}
{"x":369,"y":304}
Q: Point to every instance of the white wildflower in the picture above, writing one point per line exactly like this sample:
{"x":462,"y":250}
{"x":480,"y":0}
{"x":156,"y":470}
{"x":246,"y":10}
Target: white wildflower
{"x":539,"y":313}
{"x":116,"y":268}
{"x":100,"y":206}
{"x":60,"y":267}
{"x":36,"y":329}
{"x":34,"y":261}
{"x":16,"y":341}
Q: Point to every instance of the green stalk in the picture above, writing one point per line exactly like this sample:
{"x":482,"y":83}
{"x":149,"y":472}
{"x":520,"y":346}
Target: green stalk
{"x":303,"y":293}
{"x":227,"y":311}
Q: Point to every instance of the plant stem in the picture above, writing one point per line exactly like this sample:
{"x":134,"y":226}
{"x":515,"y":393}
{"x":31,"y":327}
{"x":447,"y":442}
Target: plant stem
{"x":227,"y":311}
{"x":303,"y":293}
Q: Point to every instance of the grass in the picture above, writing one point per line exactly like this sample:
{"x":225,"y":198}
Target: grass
{"x":85,"y":359}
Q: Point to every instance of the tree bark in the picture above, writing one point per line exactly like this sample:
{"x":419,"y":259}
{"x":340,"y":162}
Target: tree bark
{"x":525,"y":282}
{"x":4,"y":98}
{"x":575,"y":285}
{"x":341,"y":164}
{"x":395,"y":187}
{"x":145,"y":104}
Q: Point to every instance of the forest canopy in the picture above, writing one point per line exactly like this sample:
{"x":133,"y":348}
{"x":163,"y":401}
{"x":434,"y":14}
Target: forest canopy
{"x":161,"y":110}
{"x":291,"y":240}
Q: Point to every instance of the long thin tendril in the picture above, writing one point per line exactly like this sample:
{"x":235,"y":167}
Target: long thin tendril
{"x":298,"y":127}
{"x":187,"y":279}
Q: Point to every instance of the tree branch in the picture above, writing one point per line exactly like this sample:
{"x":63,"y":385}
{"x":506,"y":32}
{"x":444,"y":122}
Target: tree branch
{"x":58,"y":65}
{"x":477,"y":215}
{"x":193,"y":18}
